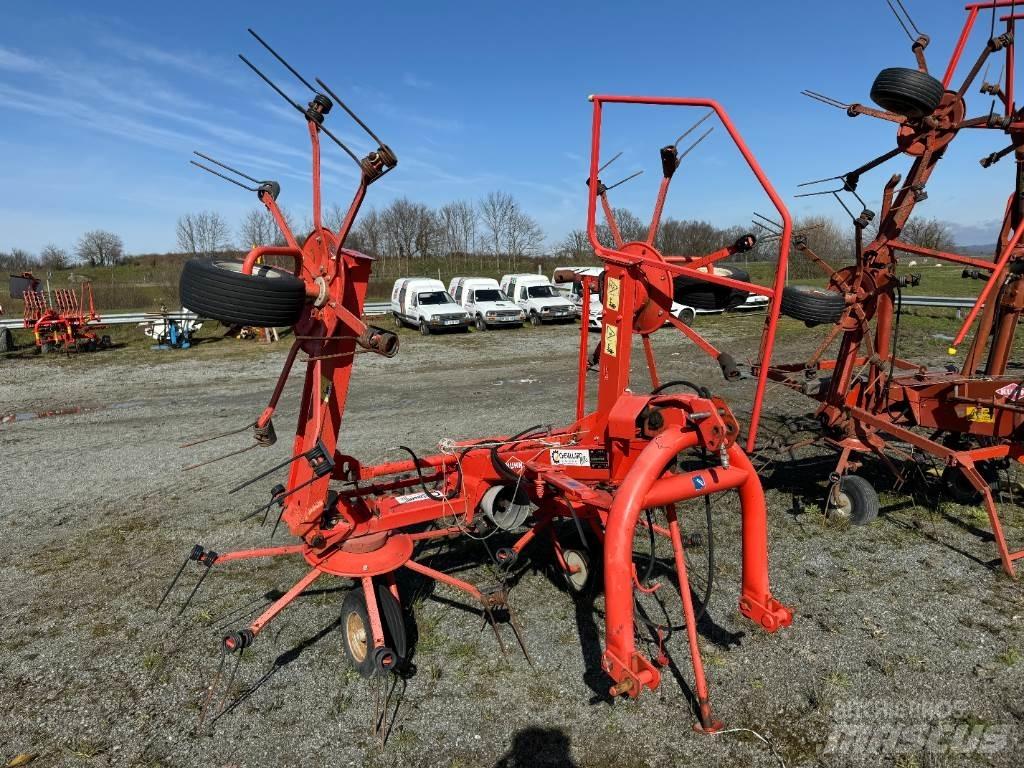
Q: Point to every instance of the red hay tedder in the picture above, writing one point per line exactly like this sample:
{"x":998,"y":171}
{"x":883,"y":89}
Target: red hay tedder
{"x":872,"y":399}
{"x":626,"y":454}
{"x":60,"y":320}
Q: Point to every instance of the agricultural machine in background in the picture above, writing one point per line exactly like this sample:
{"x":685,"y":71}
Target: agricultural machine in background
{"x":874,"y":401}
{"x":170,"y":332}
{"x":579,"y":493}
{"x":60,"y":320}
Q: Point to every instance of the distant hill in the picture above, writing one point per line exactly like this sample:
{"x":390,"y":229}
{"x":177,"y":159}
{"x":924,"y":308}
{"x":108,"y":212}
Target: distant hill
{"x":976,"y":250}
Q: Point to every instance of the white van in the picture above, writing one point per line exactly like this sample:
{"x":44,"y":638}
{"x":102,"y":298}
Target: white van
{"x":424,"y":303}
{"x":569,"y":282}
{"x":538,"y":299}
{"x":487,"y":306}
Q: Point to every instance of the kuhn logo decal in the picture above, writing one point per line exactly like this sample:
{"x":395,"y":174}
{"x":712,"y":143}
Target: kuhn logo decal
{"x":515,"y":465}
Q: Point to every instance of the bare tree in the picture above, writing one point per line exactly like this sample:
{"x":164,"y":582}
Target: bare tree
{"x":524,"y":236}
{"x":929,"y":233}
{"x":575,"y":246}
{"x":828,"y":241}
{"x":496,"y":212}
{"x":689,"y":238}
{"x":409,"y":229}
{"x":203,"y":233}
{"x":53,"y":257}
{"x":457,"y":222}
{"x":259,"y":228}
{"x":17,"y":260}
{"x":99,"y":248}
{"x":368,"y":236}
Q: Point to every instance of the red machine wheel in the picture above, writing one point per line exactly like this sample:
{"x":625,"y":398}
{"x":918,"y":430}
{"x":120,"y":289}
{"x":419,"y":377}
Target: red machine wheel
{"x":357,"y":636}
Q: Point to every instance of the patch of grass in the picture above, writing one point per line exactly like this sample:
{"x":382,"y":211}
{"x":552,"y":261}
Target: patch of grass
{"x":1009,"y":657}
{"x":87,"y":749}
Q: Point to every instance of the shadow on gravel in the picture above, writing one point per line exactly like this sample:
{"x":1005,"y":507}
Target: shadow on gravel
{"x":546,"y":747}
{"x":282,"y":661}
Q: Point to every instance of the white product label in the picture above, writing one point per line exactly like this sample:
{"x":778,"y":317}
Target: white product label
{"x":411,"y":497}
{"x":1012,"y":392}
{"x":570,"y":457}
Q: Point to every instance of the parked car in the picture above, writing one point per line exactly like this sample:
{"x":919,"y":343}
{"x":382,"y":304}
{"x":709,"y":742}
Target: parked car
{"x":753,"y":302}
{"x":483,"y":299}
{"x":537,"y":297}
{"x":424,"y":303}
{"x":568,"y":281}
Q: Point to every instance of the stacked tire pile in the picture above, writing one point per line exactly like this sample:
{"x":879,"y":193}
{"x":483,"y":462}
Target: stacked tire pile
{"x":701,"y":294}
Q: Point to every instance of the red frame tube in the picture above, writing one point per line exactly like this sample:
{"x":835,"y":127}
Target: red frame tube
{"x":775,"y":293}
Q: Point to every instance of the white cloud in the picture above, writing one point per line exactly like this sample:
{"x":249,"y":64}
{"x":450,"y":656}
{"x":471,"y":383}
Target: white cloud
{"x":12,"y":61}
{"x":413,"y":81}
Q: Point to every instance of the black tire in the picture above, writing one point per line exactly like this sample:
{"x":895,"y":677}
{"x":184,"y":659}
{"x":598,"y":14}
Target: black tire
{"x":424,"y":328}
{"x":701,"y":294}
{"x":216,"y":288}
{"x":47,"y":348}
{"x":398,"y":321}
{"x":480,"y":323}
{"x":6,"y":340}
{"x":355,"y":620}
{"x":907,"y":92}
{"x":535,"y":319}
{"x":962,"y":491}
{"x":105,"y":342}
{"x":857,"y":501}
{"x":686,"y":316}
{"x":814,"y":306}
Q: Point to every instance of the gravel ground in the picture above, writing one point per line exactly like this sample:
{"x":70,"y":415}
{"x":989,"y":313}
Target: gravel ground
{"x":904,"y":622}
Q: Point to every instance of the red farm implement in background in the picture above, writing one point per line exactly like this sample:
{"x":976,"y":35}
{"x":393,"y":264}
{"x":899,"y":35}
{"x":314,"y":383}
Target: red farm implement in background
{"x":872,"y":399}
{"x":624,"y":456}
{"x":61,"y":319}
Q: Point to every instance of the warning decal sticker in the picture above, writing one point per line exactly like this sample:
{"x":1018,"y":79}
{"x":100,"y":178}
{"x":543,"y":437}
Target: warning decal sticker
{"x":611,"y":340}
{"x":612,"y":290}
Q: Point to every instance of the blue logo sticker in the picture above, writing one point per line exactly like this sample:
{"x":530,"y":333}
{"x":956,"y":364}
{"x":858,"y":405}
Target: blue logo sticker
{"x":699,"y":482}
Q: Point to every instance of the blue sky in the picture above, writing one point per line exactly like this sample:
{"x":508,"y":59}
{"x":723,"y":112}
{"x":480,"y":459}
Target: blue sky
{"x":101,"y":104}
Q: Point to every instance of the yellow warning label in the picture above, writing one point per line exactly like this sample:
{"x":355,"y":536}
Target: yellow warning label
{"x":980,"y":414}
{"x":612,"y":289}
{"x":611,"y":340}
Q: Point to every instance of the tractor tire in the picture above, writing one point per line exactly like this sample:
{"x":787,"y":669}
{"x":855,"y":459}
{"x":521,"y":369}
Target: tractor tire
{"x":857,"y":501}
{"x":814,"y":306}
{"x":907,"y":92}
{"x":357,"y":636}
{"x":6,"y":340}
{"x":216,"y":288}
{"x":701,"y":294}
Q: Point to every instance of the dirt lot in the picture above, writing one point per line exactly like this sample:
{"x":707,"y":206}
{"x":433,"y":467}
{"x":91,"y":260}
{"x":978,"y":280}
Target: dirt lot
{"x":905,"y":621}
